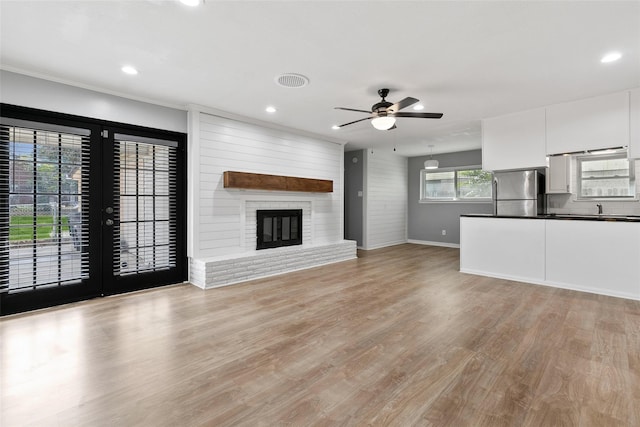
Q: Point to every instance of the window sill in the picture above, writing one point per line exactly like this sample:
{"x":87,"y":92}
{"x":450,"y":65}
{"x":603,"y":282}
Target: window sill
{"x":606,"y":199}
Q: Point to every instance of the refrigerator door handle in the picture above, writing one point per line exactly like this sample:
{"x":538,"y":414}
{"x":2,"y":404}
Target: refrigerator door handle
{"x":495,"y":195}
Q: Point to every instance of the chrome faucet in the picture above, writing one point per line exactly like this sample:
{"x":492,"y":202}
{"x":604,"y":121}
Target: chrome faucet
{"x":599,"y":205}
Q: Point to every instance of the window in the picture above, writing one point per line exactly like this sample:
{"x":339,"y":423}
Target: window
{"x":605,"y":176}
{"x":455,"y":184}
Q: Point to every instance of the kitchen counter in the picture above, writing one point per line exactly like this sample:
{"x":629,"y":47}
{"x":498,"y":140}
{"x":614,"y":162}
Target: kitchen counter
{"x":603,"y":217}
{"x":598,"y":254}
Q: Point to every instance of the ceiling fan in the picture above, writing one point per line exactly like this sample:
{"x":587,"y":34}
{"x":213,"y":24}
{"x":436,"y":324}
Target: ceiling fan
{"x":384,"y":113}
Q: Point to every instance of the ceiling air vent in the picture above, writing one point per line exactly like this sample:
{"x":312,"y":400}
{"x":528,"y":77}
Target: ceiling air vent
{"x":292,"y":80}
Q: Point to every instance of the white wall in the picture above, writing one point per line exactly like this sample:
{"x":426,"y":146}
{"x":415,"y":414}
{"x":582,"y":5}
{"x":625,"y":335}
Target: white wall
{"x":26,"y":91}
{"x":217,"y":216}
{"x":386,"y":199}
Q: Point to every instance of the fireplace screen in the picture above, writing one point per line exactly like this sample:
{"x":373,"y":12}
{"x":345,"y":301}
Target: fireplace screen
{"x":279,"y":228}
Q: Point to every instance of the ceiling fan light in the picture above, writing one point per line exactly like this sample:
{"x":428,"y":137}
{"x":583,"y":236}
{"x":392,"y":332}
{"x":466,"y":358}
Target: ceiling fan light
{"x":431,"y":164}
{"x":383,"y":123}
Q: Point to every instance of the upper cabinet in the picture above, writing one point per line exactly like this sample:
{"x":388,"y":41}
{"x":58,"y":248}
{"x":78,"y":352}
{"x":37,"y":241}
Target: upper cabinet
{"x":588,"y":124}
{"x":634,"y":124}
{"x":514,"y":141}
{"x":558,"y":176}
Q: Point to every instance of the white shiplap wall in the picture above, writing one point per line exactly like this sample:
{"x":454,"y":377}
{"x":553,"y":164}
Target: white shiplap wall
{"x":386,"y":199}
{"x":217,"y":215}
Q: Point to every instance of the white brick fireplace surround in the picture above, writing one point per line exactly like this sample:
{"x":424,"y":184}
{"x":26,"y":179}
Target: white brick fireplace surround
{"x":222,"y":271}
{"x":251,"y":264}
{"x":222,"y":222}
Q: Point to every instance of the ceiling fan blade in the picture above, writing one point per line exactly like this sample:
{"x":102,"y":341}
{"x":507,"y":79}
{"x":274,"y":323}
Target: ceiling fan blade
{"x":356,"y":121}
{"x":418,"y":115}
{"x":351,"y":109}
{"x":402,"y":104}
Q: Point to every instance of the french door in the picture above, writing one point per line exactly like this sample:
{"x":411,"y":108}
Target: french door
{"x":143,"y":210}
{"x":87,"y":208}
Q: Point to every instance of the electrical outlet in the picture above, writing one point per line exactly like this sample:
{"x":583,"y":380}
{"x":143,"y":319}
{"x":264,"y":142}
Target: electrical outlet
{"x":444,"y":232}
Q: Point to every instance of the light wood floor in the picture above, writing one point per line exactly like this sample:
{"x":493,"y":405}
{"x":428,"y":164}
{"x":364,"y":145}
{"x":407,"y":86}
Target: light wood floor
{"x":397,"y":337}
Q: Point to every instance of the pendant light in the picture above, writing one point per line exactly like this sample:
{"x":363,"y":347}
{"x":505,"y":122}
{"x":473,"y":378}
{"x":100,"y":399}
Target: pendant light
{"x":431,"y":163}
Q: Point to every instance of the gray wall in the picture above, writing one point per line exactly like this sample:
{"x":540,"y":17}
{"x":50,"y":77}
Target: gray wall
{"x":427,"y":220}
{"x":353,"y":203}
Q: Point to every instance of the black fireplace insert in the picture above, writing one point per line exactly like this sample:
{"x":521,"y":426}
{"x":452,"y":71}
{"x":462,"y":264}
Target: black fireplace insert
{"x":279,"y":228}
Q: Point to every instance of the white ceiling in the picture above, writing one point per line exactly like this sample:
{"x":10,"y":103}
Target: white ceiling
{"x":468,"y":60}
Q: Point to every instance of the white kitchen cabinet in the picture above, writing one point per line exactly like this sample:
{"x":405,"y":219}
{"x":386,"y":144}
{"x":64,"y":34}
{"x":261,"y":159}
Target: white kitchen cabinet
{"x":503,"y":247}
{"x":597,"y":256}
{"x":514,"y":141}
{"x":588,"y":124}
{"x":558,"y":177}
{"x":634,"y":124}
{"x":602,"y":257}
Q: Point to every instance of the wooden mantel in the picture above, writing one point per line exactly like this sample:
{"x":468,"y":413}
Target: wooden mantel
{"x":257,"y":181}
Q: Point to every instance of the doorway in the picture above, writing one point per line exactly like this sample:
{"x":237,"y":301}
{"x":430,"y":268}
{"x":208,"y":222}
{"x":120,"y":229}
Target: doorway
{"x":89,"y":208}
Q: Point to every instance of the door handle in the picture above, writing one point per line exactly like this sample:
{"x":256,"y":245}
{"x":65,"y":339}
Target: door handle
{"x":109,"y":210}
{"x":109,"y":222}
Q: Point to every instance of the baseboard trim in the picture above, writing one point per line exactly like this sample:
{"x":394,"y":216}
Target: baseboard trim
{"x":384,"y":245}
{"x":428,"y":243}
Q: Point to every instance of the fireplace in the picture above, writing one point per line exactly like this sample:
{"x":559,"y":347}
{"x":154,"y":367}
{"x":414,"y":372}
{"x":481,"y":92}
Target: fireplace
{"x":277,"y":228}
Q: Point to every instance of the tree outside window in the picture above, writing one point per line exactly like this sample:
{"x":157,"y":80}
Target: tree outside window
{"x":456,"y":184}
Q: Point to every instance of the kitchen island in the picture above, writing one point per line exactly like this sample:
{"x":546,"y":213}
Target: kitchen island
{"x":591,"y":253}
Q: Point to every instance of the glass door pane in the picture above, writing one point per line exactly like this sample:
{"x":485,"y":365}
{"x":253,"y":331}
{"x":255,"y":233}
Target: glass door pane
{"x":144,"y":183}
{"x":46,"y":237}
{"x":145,"y":197}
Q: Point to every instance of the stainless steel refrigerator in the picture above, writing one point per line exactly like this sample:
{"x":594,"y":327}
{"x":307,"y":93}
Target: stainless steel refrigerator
{"x":518,"y":193}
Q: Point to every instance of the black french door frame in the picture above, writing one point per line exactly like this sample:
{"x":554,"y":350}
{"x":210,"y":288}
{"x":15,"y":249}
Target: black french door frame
{"x":115,"y":283}
{"x":101,"y":281}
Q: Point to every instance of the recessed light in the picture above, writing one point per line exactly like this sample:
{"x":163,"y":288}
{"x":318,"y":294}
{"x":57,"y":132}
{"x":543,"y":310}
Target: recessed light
{"x":335,"y":127}
{"x":270,"y":109}
{"x":191,"y":2}
{"x":128,"y":69}
{"x":418,"y":107}
{"x":611,"y":57}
